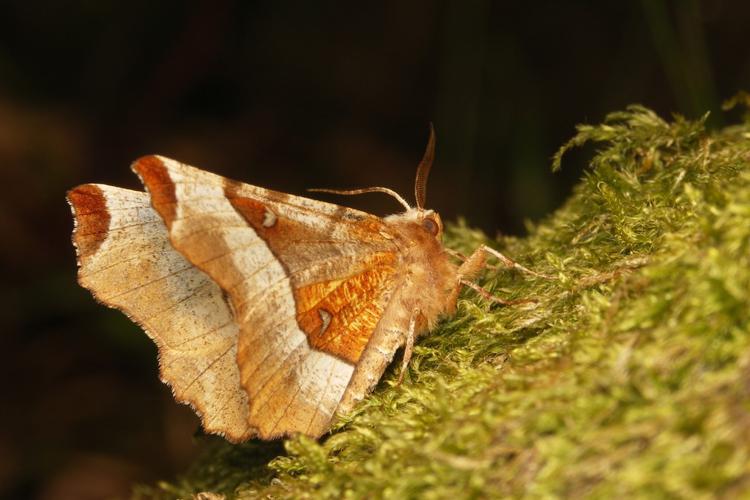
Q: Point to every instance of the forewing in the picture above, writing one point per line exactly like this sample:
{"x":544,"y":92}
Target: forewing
{"x":308,"y":281}
{"x":127,"y":262}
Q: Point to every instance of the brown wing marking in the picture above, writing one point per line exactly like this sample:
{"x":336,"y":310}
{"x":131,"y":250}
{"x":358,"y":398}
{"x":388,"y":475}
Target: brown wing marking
{"x":92,"y":218}
{"x":161,"y":188}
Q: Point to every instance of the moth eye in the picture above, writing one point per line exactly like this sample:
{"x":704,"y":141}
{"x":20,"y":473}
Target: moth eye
{"x":431,"y":226}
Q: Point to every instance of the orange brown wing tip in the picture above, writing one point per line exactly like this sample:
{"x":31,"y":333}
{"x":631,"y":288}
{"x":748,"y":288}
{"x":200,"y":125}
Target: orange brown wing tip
{"x":155,"y":176}
{"x":92,"y":218}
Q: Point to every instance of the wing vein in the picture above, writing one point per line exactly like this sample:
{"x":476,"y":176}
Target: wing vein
{"x":150,"y":282}
{"x":210,"y":365}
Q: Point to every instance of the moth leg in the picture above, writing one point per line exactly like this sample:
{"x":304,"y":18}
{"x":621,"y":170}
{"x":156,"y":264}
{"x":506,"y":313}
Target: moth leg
{"x":455,"y":254}
{"x":487,"y":295}
{"x":411,"y":336}
{"x":507,"y":262}
{"x":476,"y":261}
{"x":485,"y":250}
{"x":472,"y":264}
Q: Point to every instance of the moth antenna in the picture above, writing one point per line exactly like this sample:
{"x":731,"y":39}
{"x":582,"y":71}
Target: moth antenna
{"x":363,"y":191}
{"x":423,"y":170}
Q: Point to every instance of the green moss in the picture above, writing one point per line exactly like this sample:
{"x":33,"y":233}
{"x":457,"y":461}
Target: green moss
{"x":629,"y":376}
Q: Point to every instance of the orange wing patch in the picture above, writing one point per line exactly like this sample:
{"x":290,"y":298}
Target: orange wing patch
{"x":340,"y":315}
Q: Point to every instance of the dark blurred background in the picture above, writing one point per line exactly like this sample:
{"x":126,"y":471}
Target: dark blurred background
{"x":286,"y":95}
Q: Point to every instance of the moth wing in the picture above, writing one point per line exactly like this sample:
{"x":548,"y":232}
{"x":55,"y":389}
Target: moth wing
{"x":308,"y":282}
{"x":125,"y":259}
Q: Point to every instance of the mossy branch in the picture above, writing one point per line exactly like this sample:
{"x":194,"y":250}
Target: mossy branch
{"x":629,"y":376}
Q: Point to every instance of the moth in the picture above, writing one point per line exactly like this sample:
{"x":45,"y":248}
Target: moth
{"x":272,"y":313}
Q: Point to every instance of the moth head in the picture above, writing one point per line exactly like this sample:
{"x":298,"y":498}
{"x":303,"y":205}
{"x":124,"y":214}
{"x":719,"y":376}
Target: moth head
{"x":419,"y":220}
{"x":430,"y":222}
